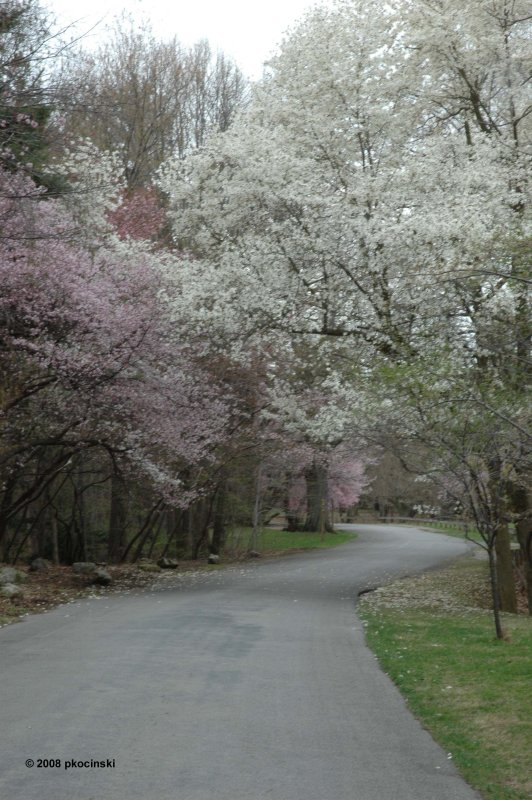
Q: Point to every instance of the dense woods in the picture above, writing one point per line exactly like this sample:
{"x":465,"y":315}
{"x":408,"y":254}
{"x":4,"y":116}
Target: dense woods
{"x":222,"y":302}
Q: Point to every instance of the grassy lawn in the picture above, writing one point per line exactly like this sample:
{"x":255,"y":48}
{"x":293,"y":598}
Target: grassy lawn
{"x":434,"y":636}
{"x":272,"y":541}
{"x":451,"y":530}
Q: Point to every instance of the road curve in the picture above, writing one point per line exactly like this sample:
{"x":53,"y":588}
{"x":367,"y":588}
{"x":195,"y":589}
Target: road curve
{"x":247,"y":683}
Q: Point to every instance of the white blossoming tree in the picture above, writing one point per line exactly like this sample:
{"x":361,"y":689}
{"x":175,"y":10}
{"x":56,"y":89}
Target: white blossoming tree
{"x":375,"y":195}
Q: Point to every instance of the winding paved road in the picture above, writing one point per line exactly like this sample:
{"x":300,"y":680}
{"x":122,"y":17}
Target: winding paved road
{"x":243,"y":684}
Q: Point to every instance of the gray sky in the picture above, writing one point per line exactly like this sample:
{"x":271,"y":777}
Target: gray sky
{"x":245,"y":30}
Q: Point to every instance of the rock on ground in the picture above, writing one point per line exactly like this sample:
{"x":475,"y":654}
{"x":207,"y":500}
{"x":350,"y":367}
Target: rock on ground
{"x":39,"y":565}
{"x":84,"y":567}
{"x":9,"y":575}
{"x":102,"y":577}
{"x":10,"y":590}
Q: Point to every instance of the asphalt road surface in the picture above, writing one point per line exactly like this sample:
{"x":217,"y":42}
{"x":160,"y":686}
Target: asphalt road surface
{"x":246,"y":683}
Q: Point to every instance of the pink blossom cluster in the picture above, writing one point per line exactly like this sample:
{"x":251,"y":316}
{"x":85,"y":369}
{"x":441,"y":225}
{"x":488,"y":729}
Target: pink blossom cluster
{"x":20,"y":118}
{"x":27,"y":119}
{"x":346,"y":479}
{"x":289,"y":468}
{"x":139,"y":216}
{"x":88,"y":354}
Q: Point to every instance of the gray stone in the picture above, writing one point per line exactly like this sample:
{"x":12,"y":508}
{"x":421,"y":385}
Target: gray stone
{"x":168,"y":563}
{"x":213,"y":559}
{"x":254,"y":554}
{"x":10,"y":590}
{"x":102,"y":577}
{"x":11,"y":575}
{"x":84,"y":567}
{"x":39,"y":565}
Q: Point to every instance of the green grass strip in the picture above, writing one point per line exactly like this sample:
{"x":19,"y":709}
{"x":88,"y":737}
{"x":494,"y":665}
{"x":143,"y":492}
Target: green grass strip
{"x":271,"y":540}
{"x":471,"y":691}
{"x":284,"y":540}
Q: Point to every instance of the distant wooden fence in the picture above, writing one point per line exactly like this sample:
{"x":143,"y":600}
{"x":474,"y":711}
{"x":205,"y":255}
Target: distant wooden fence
{"x":454,"y":524}
{"x":457,"y":525}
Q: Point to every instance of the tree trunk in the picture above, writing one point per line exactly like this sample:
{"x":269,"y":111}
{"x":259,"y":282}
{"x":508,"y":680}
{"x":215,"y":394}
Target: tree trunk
{"x":54,"y":534}
{"x":117,"y":520}
{"x":318,"y":516}
{"x":183,"y":533}
{"x":142,"y":534}
{"x":199,"y":524}
{"x":79,"y":500}
{"x":495,"y":593}
{"x":521,"y":505}
{"x":218,"y":523}
{"x":257,"y":507}
{"x":171,"y":519}
{"x":524,"y":535}
{"x":150,"y":528}
{"x":292,"y":523}
{"x":499,"y":496}
{"x":505,"y":570}
{"x":8,"y":492}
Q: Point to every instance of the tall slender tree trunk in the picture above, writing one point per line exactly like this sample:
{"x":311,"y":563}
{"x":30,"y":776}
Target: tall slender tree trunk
{"x":218,"y":522}
{"x":150,"y":528}
{"x":505,"y":570}
{"x":292,"y":517}
{"x":200,"y":519}
{"x":182,"y":534}
{"x":54,"y":535}
{"x":38,"y":529}
{"x":521,"y":505}
{"x":524,"y":534}
{"x":79,"y":499}
{"x":495,"y":592}
{"x":257,"y":507}
{"x":117,"y":520}
{"x":499,"y":496}
{"x":318,"y":516}
{"x":8,"y":492}
{"x":171,"y":520}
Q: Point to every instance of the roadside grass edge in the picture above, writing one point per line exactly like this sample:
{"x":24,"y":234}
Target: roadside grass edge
{"x":433,"y":636}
